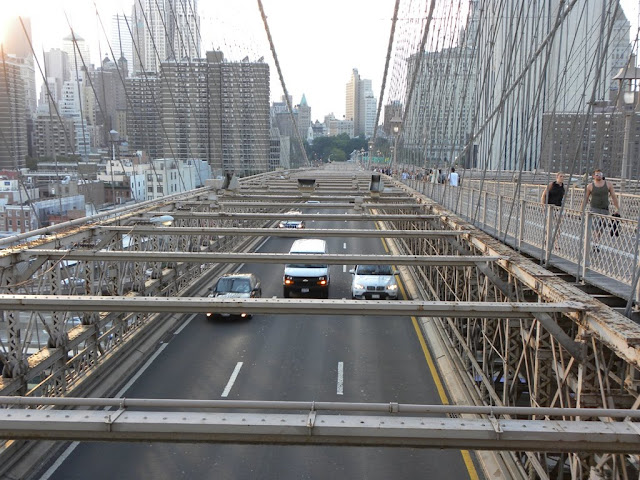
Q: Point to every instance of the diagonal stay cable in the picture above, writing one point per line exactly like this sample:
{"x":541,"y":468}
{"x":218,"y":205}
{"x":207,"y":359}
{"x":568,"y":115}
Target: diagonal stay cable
{"x":284,"y":87}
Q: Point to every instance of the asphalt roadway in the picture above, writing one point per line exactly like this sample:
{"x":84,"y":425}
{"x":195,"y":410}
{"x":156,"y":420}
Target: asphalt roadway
{"x":287,"y":358}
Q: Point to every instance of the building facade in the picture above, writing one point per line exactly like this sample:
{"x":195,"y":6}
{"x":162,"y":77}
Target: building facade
{"x":13,"y":116}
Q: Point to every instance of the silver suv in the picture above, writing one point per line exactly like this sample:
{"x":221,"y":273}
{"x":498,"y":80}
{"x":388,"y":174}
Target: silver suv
{"x":374,"y":282}
{"x":235,"y":285}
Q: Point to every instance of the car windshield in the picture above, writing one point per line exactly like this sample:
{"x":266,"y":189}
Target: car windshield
{"x":233,"y":285}
{"x":374,"y":270}
{"x":305,"y":265}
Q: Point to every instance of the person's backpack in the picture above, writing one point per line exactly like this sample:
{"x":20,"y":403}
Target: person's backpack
{"x":615,"y":225}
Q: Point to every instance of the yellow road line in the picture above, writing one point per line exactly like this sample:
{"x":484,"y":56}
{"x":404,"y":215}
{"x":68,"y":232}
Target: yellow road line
{"x":466,"y":457}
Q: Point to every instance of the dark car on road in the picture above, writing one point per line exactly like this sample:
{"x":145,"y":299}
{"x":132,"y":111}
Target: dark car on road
{"x":235,"y":285}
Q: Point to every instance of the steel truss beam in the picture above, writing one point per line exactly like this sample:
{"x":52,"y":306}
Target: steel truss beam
{"x":275,"y":306}
{"x":351,"y":217}
{"x":319,"y":206}
{"x":284,"y":232}
{"x":313,"y":428}
{"x":223,"y":257}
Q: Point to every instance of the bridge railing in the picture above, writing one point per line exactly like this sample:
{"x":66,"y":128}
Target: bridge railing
{"x":598,"y":249}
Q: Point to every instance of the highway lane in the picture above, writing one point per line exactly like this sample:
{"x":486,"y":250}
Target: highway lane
{"x":285,"y":358}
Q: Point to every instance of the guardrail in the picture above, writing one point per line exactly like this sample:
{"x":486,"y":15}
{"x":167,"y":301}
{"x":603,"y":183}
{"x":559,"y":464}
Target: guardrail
{"x":598,"y":249}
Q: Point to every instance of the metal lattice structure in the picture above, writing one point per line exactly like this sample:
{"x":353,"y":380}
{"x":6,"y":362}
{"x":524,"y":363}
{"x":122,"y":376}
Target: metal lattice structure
{"x":569,"y":352}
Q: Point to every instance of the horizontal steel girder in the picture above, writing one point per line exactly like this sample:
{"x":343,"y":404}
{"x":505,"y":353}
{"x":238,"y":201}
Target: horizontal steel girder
{"x":314,"y":428}
{"x":351,"y":217}
{"x":279,"y":306}
{"x":320,"y":206}
{"x":217,"y":257}
{"x":286,"y":232}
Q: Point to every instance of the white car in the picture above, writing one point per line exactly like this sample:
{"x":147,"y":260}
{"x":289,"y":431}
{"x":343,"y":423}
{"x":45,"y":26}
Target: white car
{"x":374,"y":282}
{"x":285,"y":223}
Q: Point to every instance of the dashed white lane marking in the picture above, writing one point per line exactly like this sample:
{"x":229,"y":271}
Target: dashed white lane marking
{"x":184,"y":325}
{"x":340,"y":378}
{"x":52,"y":469}
{"x":344,"y":245}
{"x":344,"y":268}
{"x":232,"y":380}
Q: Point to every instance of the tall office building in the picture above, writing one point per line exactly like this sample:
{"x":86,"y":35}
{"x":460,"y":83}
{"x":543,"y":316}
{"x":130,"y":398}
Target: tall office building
{"x":186,"y":110}
{"x":71,"y":107}
{"x":16,"y":43}
{"x":56,"y":67}
{"x":144,"y":122}
{"x":239,"y":114}
{"x":79,"y":56}
{"x":572,"y":70}
{"x":208,"y":109}
{"x":13,"y":124}
{"x":165,"y":30}
{"x":122,"y":28}
{"x":439,"y":120}
{"x":359,"y":102}
{"x":303,"y":117}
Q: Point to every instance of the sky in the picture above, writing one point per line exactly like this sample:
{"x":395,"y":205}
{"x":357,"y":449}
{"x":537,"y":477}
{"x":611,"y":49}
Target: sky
{"x":317,"y":43}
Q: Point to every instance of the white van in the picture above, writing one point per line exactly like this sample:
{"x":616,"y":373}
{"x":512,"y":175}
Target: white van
{"x":307,"y":278}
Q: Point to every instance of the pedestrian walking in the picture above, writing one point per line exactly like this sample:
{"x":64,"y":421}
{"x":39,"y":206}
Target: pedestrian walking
{"x":597,"y":193}
{"x":554,"y":192}
{"x":453,"y":177}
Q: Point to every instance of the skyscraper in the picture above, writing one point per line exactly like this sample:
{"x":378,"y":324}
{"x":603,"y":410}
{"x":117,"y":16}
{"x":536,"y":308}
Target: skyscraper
{"x":304,"y":117}
{"x":121,"y":38}
{"x":16,"y":43}
{"x":574,"y":69}
{"x":13,"y":125}
{"x":165,"y":30}
{"x":79,"y":55}
{"x":360,"y":104}
{"x":208,"y":109}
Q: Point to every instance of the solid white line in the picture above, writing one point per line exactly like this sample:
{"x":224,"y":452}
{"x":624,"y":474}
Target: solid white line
{"x":141,"y":371}
{"x":340,"y":378}
{"x":52,"y":469}
{"x":184,"y":325}
{"x":58,"y":462}
{"x":234,"y":375}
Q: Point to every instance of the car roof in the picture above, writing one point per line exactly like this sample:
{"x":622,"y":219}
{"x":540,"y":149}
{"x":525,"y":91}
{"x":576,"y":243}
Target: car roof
{"x":238,"y":275}
{"x":309,"y":245}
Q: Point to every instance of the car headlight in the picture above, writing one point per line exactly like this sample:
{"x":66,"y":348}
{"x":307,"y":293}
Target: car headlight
{"x":392,"y":286}
{"x":358,"y":286}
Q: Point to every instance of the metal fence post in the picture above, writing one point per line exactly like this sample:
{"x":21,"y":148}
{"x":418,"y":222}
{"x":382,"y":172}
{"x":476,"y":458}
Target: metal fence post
{"x":484,"y":210}
{"x":520,"y":224}
{"x":547,"y":247}
{"x":586,"y":252}
{"x":499,"y":214}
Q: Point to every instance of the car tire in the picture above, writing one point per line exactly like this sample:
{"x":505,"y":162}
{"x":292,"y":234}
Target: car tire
{"x":285,"y":293}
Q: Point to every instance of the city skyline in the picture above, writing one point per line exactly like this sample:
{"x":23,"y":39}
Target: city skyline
{"x":238,"y":31}
{"x":317,"y":49}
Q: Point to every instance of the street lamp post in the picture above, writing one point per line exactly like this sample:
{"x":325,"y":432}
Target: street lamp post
{"x":395,"y":125}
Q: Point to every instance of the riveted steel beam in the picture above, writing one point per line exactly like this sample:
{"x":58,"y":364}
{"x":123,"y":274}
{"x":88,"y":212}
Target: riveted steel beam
{"x":284,"y":232}
{"x":351,"y":217}
{"x":294,"y":429}
{"x":222,"y":257}
{"x":279,"y":306}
